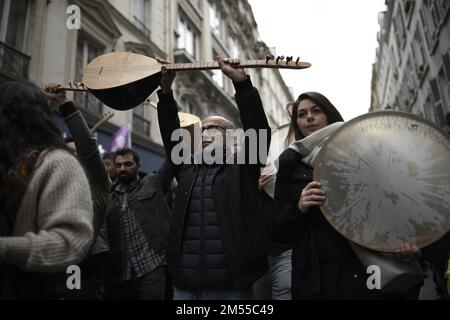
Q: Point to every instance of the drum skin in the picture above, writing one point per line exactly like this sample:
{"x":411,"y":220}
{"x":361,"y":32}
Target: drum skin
{"x":386,"y":176}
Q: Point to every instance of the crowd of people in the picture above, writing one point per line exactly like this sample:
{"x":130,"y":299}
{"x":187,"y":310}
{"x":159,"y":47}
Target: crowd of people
{"x":191,"y":231}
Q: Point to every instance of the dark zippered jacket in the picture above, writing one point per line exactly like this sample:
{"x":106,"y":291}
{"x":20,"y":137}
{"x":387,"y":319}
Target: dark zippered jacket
{"x":148,"y":204}
{"x":235,"y":193}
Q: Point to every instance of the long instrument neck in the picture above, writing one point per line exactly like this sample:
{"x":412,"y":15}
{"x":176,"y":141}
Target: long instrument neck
{"x":273,"y":63}
{"x":244,"y":64}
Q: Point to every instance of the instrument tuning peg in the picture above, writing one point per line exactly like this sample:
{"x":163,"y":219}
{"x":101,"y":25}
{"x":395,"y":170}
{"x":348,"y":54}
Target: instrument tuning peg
{"x":280,"y":58}
{"x":269,"y":57}
{"x":296,"y":61}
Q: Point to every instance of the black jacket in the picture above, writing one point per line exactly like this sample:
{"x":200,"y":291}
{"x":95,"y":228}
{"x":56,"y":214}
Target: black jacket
{"x":148,"y":203}
{"x":323,"y":264}
{"x":89,"y":156}
{"x":235,"y":193}
{"x":203,"y":263}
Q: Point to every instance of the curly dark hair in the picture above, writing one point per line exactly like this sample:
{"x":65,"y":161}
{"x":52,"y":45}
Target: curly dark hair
{"x":26,"y":123}
{"x":26,"y":120}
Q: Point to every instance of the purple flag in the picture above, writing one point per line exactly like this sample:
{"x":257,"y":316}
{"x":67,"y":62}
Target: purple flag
{"x":120,"y":139}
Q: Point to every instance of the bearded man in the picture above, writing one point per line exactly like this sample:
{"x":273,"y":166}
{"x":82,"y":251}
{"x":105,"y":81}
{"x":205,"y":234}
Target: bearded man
{"x":138,"y":225}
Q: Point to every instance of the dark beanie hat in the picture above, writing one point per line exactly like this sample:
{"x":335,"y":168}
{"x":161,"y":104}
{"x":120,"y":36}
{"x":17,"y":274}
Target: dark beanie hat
{"x":330,"y":110}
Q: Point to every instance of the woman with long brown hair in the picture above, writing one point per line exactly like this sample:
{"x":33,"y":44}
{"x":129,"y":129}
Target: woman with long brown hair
{"x":324,"y":264}
{"x":45,"y":204}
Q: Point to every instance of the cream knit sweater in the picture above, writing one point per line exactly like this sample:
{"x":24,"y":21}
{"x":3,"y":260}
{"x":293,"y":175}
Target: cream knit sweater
{"x":53,"y":227}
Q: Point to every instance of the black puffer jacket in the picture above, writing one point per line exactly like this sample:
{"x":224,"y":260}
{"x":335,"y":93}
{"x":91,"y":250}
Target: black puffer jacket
{"x":203,"y":263}
{"x":235,"y":193}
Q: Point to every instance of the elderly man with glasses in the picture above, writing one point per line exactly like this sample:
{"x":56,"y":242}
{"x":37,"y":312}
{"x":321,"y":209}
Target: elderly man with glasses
{"x":217,"y":246}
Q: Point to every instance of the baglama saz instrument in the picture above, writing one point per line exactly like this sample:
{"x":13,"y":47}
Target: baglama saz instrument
{"x":123,"y":80}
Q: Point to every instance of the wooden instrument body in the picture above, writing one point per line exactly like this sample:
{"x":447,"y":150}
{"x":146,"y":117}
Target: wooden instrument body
{"x":122,"y":80}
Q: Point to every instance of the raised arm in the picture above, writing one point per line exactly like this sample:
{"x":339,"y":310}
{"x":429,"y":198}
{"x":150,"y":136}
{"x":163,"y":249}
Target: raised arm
{"x":168,"y":116}
{"x":251,"y":110}
{"x":87,"y":148}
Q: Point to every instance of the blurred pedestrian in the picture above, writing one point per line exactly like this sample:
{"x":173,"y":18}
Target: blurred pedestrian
{"x":46,"y":210}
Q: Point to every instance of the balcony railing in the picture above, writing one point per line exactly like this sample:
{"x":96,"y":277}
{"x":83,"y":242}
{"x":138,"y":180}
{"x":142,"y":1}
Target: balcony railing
{"x":141,"y":125}
{"x":13,"y":63}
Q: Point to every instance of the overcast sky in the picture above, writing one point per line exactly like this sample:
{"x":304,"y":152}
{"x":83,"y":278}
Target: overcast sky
{"x":338,"y":37}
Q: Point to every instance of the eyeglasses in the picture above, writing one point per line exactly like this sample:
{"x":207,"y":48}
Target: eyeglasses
{"x":213,"y":127}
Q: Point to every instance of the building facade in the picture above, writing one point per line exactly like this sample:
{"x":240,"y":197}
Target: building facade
{"x":41,"y":41}
{"x":412,"y":72}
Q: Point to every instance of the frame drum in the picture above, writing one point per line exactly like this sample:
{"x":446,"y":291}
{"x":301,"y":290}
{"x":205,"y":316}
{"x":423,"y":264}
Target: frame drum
{"x":386,"y":176}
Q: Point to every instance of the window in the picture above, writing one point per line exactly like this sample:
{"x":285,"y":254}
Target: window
{"x":419,"y":53}
{"x":436,"y":13}
{"x":444,"y":87}
{"x":438,"y":102}
{"x":140,"y":123}
{"x":236,"y":49}
{"x":409,"y":8}
{"x":386,"y":79}
{"x":187,"y":38}
{"x":215,"y":20}
{"x":140,"y":10}
{"x":217,"y":75}
{"x":13,"y":18}
{"x":141,"y":14}
{"x":428,"y":23}
{"x":400,"y":34}
{"x":412,"y":83}
{"x":2,"y":3}
{"x":428,"y":108}
{"x":382,"y":21}
{"x":397,"y":104}
{"x":404,"y":101}
{"x":446,"y":61}
{"x":12,"y":38}
{"x":445,"y":5}
{"x":446,"y":68}
{"x":86,"y":52}
{"x":435,"y":91}
{"x":433,"y":14}
{"x":395,"y":64}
